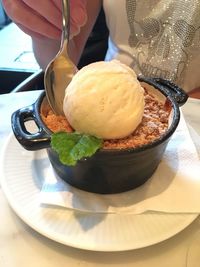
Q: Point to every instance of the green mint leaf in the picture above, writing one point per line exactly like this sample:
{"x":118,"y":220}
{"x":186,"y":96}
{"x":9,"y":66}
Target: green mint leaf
{"x":72,"y":147}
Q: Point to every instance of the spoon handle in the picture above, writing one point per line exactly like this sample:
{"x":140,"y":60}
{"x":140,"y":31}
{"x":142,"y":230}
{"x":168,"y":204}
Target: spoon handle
{"x":65,"y":20}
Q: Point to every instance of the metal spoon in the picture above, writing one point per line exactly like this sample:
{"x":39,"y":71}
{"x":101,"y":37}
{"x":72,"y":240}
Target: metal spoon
{"x":61,"y":69}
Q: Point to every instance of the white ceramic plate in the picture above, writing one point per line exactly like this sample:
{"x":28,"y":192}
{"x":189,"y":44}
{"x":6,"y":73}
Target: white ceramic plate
{"x":22,"y":181}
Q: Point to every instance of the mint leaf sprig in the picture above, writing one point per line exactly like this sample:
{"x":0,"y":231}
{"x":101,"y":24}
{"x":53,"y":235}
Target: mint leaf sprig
{"x":72,"y":147}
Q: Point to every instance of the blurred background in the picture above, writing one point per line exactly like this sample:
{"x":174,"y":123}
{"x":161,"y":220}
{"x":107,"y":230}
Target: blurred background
{"x":19,"y":70}
{"x":16,"y":57}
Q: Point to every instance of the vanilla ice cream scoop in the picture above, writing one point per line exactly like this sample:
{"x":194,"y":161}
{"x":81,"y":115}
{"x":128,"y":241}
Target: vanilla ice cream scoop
{"x":104,"y":99}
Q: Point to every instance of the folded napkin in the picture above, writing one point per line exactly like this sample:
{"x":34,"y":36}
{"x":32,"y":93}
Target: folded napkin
{"x":173,"y":188}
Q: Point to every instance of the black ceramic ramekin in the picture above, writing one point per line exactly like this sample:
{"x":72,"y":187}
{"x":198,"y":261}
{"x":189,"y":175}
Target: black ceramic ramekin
{"x":108,"y":171}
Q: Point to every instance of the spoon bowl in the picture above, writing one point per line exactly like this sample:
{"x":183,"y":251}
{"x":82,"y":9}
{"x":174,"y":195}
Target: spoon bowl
{"x":61,"y":69}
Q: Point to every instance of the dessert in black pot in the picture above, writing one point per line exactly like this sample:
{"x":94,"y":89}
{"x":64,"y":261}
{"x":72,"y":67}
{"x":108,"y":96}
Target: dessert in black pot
{"x":124,"y":160}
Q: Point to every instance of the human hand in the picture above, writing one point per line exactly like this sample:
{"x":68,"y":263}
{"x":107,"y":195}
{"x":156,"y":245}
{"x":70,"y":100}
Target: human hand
{"x":44,"y":18}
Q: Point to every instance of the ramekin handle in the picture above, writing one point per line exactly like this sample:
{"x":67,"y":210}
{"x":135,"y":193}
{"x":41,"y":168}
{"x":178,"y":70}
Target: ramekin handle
{"x":30,"y":141}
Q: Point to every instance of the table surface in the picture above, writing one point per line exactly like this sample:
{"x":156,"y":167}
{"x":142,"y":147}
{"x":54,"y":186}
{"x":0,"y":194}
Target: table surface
{"x":21,"y":246}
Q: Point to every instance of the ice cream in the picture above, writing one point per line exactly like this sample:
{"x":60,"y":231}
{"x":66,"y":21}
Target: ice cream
{"x":104,"y":99}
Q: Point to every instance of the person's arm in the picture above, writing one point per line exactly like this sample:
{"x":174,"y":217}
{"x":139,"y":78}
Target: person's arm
{"x":42,"y":21}
{"x":45,"y":49}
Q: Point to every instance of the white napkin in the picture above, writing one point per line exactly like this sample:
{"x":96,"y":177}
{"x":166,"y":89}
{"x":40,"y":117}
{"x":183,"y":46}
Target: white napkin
{"x":173,"y":188}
